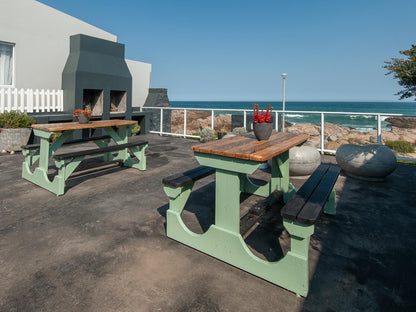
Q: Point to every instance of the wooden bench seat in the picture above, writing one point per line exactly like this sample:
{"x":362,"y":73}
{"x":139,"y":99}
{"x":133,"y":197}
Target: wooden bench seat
{"x":188,"y":177}
{"x":307,"y":204}
{"x":77,"y":141}
{"x":97,"y":151}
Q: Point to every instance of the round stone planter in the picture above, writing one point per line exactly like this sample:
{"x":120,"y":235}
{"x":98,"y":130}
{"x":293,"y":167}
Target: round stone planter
{"x":11,"y":139}
{"x":371,"y":162}
{"x":303,"y":160}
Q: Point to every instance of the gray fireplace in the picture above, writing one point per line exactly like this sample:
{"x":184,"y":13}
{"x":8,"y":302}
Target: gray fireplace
{"x":96,"y":77}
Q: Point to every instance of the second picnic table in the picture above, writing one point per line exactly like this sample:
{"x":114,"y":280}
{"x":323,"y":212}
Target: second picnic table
{"x":67,"y":163}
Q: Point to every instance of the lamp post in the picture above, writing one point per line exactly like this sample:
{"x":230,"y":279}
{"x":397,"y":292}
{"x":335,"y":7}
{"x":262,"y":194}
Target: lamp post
{"x":284,"y":75}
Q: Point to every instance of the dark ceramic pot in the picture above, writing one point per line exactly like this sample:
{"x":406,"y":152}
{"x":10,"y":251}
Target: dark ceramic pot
{"x":262,"y":131}
{"x":221,"y":135}
{"x":83,"y":119}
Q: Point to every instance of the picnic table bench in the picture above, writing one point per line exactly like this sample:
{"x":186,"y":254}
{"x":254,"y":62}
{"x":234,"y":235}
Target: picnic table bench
{"x":223,"y":240}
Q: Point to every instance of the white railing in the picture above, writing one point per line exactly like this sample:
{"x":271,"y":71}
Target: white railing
{"x":30,"y":101}
{"x":379,"y":118}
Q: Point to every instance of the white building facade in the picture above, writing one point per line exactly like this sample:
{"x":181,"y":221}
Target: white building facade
{"x":34,"y":46}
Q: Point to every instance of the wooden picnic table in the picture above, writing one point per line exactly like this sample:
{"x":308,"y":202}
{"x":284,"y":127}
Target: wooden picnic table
{"x":233,"y":159}
{"x":116,"y":129}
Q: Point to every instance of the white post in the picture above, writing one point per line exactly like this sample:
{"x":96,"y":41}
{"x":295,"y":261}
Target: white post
{"x":48,"y":100}
{"x":277,"y":121}
{"x":54,"y":107}
{"x":37,"y":108}
{"x":30,"y":101}
{"x":245,"y":120}
{"x":284,"y":75}
{"x":322,"y":132}
{"x":212,"y":119}
{"x":161,"y":121}
{"x":15,"y":100}
{"x":2,"y":104}
{"x":61,"y":100}
{"x":22,"y":102}
{"x":9,"y":100}
{"x":184,"y":123}
{"x":42,"y":99}
{"x":379,"y":129}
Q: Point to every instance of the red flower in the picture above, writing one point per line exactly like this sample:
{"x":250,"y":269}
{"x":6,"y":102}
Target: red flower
{"x":263,"y":117}
{"x":81,"y":111}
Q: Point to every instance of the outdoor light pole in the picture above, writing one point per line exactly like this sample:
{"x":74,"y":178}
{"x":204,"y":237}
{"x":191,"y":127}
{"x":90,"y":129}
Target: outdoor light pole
{"x":284,"y":75}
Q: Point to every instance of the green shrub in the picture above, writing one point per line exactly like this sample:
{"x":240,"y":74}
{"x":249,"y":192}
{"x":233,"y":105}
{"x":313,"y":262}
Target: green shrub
{"x":239,"y":130}
{"x":16,"y":120}
{"x":207,"y":135}
{"x":401,"y":146}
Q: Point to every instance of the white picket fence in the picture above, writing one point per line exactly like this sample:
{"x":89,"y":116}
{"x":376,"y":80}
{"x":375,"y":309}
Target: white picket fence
{"x":30,"y":101}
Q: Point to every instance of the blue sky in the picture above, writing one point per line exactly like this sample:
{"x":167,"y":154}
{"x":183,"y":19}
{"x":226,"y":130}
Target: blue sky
{"x":237,"y":50}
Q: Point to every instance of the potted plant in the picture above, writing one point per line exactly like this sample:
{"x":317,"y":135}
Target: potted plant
{"x":15,"y":130}
{"x":222,"y":132}
{"x":262,"y":122}
{"x":83,"y":115}
{"x":136,"y":130}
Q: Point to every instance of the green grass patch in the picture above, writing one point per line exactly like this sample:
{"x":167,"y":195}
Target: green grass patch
{"x":401,"y":146}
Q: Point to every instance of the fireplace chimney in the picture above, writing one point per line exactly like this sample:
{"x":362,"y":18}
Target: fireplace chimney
{"x":96,"y":77}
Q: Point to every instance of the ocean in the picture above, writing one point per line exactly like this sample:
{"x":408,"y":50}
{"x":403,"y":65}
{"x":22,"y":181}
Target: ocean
{"x":363,"y":123}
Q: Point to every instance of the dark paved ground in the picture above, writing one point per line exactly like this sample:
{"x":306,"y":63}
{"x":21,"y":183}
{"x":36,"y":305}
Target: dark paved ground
{"x":102,"y":246}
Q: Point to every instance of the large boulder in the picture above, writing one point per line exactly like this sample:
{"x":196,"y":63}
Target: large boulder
{"x":303,"y":160}
{"x":371,"y":162}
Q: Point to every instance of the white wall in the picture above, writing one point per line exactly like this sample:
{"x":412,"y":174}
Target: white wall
{"x":41,"y":37}
{"x":141,"y":73}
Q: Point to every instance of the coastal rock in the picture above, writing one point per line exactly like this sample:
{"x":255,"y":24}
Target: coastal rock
{"x":336,"y":135}
{"x":198,"y":120}
{"x":402,"y":122}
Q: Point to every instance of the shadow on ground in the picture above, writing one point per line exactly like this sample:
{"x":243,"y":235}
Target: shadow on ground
{"x":103,"y":247}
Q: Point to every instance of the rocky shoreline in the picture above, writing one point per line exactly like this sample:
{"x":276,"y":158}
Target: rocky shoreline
{"x":402,"y":129}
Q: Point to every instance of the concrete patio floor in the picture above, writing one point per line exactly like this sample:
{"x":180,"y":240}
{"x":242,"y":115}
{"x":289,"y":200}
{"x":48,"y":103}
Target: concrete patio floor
{"x":102,"y":246}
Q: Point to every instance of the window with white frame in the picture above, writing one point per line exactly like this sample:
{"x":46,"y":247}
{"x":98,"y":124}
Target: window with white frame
{"x":6,"y":63}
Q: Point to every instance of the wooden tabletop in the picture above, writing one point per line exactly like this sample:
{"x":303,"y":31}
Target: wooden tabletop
{"x":248,"y":147}
{"x":62,"y":126}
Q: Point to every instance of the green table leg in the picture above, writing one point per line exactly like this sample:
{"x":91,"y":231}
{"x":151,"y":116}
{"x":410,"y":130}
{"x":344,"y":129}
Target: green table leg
{"x":40,"y":174}
{"x":227,"y":200}
{"x":280,"y":176}
{"x":279,"y":180}
{"x":223,"y":240}
{"x":122,"y":137}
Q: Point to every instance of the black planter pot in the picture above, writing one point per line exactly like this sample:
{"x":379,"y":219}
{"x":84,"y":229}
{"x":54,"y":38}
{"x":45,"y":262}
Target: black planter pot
{"x":83,"y":119}
{"x":262,"y":131}
{"x":221,"y":135}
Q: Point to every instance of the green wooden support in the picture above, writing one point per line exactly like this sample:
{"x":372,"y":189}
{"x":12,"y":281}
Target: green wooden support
{"x":104,"y":143}
{"x":31,"y":156}
{"x":223,"y":239}
{"x":330,"y":207}
{"x":139,"y":152}
{"x":40,"y":174}
{"x":290,"y":272}
{"x":227,"y":200}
